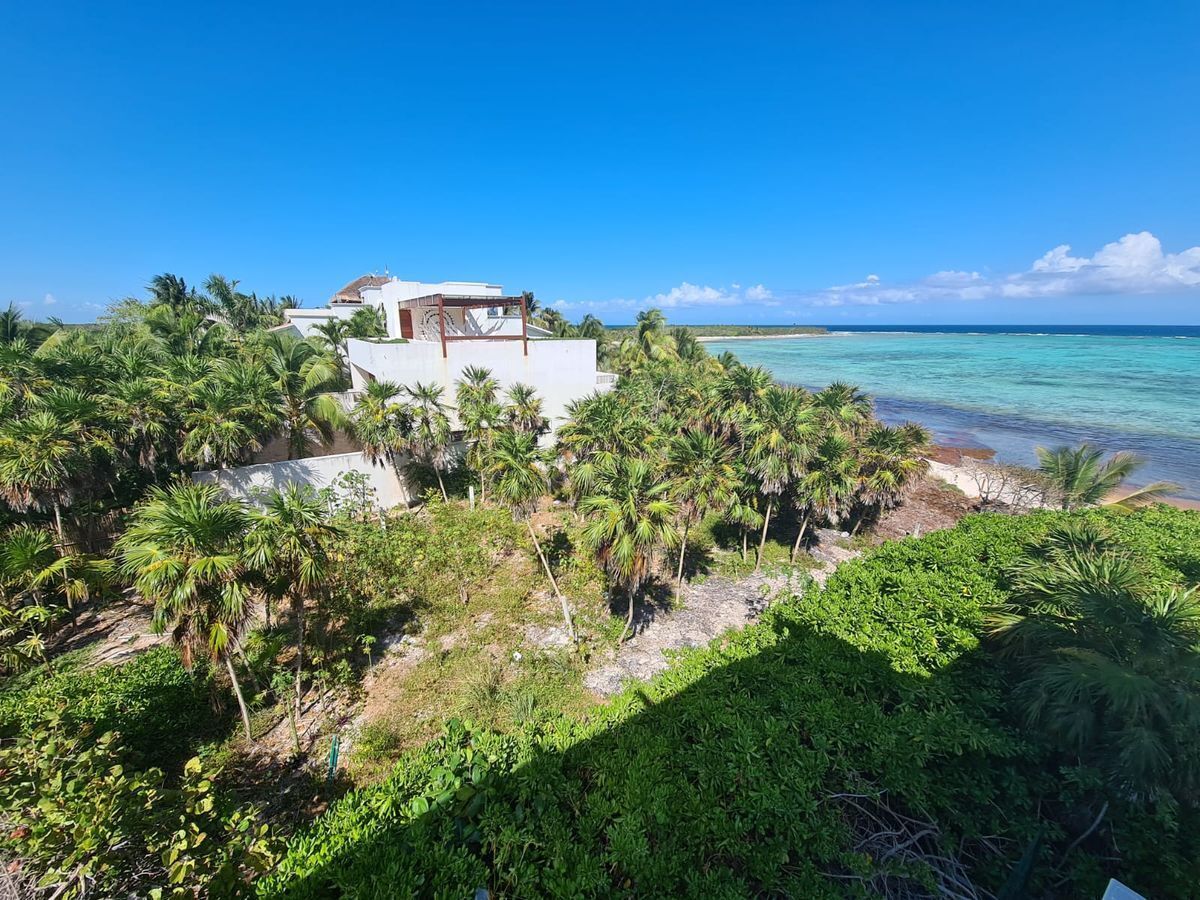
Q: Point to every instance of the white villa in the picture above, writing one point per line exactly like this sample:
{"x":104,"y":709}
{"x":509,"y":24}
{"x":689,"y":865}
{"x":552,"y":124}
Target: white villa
{"x":434,"y":331}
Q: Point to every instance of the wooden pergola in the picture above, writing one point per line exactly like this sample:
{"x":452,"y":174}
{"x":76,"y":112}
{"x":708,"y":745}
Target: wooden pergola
{"x":465,"y":301}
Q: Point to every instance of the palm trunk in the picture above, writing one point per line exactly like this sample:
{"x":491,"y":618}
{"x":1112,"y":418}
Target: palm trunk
{"x":62,"y":540}
{"x":566,"y":610}
{"x":687,"y":523}
{"x":237,"y":690}
{"x":628,"y":620}
{"x":762,"y":541}
{"x":800,"y":536}
{"x":438,"y":473}
{"x":298,"y":613}
{"x":745,"y":543}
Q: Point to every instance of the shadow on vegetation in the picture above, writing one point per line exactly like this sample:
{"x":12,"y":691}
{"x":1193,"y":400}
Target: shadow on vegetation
{"x":797,"y":766}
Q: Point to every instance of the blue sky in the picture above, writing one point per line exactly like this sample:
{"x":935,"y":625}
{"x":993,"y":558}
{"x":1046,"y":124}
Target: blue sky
{"x":832,"y":163}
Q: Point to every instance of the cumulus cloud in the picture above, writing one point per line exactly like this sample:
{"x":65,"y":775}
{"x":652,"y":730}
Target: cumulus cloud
{"x":49,"y":300}
{"x":1135,"y":264}
{"x":683,"y":296}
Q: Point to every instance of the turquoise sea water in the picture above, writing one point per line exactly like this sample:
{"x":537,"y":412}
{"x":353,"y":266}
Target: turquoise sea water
{"x":1123,"y":389}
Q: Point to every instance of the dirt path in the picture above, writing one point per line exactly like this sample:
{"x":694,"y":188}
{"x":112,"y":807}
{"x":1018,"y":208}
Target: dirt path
{"x":709,"y":610}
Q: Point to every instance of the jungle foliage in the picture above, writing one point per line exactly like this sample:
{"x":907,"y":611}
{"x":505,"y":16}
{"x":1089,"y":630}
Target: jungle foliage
{"x":776,"y":761}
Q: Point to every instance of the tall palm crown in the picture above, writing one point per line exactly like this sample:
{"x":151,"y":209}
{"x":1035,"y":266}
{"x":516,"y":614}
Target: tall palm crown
{"x":334,"y":333}
{"x":517,"y":471}
{"x":601,"y":428}
{"x":524,"y":409}
{"x":381,"y":421}
{"x":892,"y":460}
{"x":629,"y":519}
{"x":45,"y":452}
{"x":736,"y":398}
{"x":1109,"y":660}
{"x":367,"y":322}
{"x":844,"y":406}
{"x":232,"y":412}
{"x":832,"y":479}
{"x":1081,"y":476}
{"x":303,"y":376}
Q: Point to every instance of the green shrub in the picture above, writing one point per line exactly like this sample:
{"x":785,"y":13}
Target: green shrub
{"x":160,"y":709}
{"x":82,"y":821}
{"x":745,"y":769}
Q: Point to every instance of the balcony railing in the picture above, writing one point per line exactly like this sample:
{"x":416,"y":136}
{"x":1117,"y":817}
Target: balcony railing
{"x":605,"y":378}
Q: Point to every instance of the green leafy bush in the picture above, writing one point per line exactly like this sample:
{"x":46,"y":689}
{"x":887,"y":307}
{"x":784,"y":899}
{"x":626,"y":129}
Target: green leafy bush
{"x":763,"y":764}
{"x":161,"y":710}
{"x":83,"y":821}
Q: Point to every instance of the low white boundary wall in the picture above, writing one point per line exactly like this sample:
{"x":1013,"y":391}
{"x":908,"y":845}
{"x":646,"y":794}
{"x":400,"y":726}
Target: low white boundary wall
{"x":318,"y":471}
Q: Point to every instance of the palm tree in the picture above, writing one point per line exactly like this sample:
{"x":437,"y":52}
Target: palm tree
{"x":828,"y":486}
{"x":429,"y":438}
{"x":478,"y":414}
{"x":629,"y":519}
{"x":703,"y":479}
{"x":652,"y":338}
{"x":780,"y":445}
{"x":303,"y":377}
{"x":41,"y":456}
{"x":232,"y":414}
{"x":524,"y":409}
{"x":843,"y":406}
{"x":477,"y":385}
{"x":141,"y":419}
{"x":288,"y":542}
{"x":687,"y":347}
{"x":172,"y":291}
{"x":555,"y":322}
{"x":184,"y":552}
{"x":1081,"y":476}
{"x":381,"y":421}
{"x":334,"y":333}
{"x":531,"y":303}
{"x":892,"y":458}
{"x":38,"y":582}
{"x":736,"y":399}
{"x":591,"y":327}
{"x":521,"y":478}
{"x":1108,"y":660}
{"x":368,"y":322}
{"x":600,"y":428}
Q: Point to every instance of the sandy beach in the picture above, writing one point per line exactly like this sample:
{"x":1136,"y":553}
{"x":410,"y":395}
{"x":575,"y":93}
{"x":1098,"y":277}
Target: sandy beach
{"x":963,"y":475}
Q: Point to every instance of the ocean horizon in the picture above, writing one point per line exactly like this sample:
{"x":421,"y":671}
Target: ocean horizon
{"x":1012,"y":388}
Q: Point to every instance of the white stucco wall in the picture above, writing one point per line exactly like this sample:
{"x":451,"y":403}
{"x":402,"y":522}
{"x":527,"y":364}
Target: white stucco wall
{"x":303,"y":320}
{"x":318,"y":471}
{"x":561,"y":371}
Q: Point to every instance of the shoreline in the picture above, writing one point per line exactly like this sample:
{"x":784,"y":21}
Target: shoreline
{"x":959,"y":475}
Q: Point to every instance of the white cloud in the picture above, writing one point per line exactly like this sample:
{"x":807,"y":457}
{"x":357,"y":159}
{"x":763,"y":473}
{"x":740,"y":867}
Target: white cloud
{"x":1135,"y":264}
{"x":49,"y":300}
{"x":683,"y":296}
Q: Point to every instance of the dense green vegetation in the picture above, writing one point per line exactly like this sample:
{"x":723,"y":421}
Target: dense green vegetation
{"x":941,"y":707}
{"x":782,"y":759}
